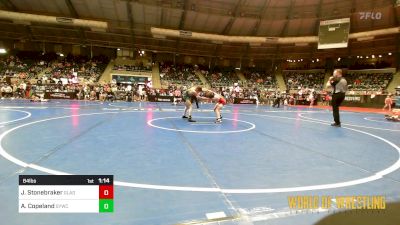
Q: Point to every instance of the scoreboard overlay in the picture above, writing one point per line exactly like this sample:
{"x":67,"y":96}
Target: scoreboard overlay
{"x":334,"y":33}
{"x":66,"y":194}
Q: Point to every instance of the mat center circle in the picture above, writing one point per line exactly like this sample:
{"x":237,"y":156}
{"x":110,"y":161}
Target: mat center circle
{"x":202,"y":125}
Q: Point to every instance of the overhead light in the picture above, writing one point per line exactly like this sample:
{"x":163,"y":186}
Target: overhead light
{"x":3,"y":51}
{"x":338,"y":59}
{"x":62,"y":55}
{"x":366,"y":57}
{"x":301,"y":60}
{"x":358,"y":57}
{"x":118,"y":49}
{"x":361,"y":57}
{"x":317,"y":60}
{"x":389,"y":53}
{"x":380,"y":56}
{"x":142,"y":52}
{"x":373,"y":56}
{"x":312,"y":61}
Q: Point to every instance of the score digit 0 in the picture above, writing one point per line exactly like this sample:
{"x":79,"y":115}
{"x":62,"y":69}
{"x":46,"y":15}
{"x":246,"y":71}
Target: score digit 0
{"x":106,"y":192}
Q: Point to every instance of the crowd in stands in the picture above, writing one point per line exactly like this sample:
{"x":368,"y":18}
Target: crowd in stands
{"x":111,"y":92}
{"x":220,"y":77}
{"x":296,"y":80}
{"x":368,"y":81}
{"x":56,"y":74}
{"x":12,"y":66}
{"x":76,"y":67}
{"x":229,"y":92}
{"x":261,"y":79}
{"x":24,"y":74}
{"x":178,"y":74}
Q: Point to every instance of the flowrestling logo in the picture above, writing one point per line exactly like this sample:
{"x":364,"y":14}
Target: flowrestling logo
{"x":370,"y":15}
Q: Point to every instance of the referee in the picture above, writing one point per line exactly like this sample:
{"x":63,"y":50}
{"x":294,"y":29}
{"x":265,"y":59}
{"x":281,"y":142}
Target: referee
{"x":339,"y":85}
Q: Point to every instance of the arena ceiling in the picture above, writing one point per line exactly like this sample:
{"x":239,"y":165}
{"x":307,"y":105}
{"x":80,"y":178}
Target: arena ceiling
{"x":129,"y":23}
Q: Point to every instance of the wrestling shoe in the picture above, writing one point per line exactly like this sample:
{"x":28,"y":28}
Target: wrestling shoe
{"x":218,"y":120}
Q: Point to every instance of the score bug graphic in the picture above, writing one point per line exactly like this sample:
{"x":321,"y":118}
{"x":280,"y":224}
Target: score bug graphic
{"x":106,"y":196}
{"x":66,"y":194}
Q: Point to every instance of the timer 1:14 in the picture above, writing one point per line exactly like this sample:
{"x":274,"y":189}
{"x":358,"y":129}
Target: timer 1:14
{"x":104,"y":180}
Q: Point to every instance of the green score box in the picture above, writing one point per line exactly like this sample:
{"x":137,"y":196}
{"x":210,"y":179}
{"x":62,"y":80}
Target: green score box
{"x":106,"y":205}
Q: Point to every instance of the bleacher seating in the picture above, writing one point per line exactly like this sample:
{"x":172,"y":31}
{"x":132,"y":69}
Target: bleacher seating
{"x":221,"y":77}
{"x":261,"y":79}
{"x":86,"y":69}
{"x":304,"y":79}
{"x":178,"y":75}
{"x":12,"y":66}
{"x":368,"y":81}
{"x":19,"y":71}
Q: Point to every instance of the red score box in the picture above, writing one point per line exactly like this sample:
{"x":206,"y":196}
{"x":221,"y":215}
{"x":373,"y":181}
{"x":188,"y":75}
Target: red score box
{"x":106,"y":192}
